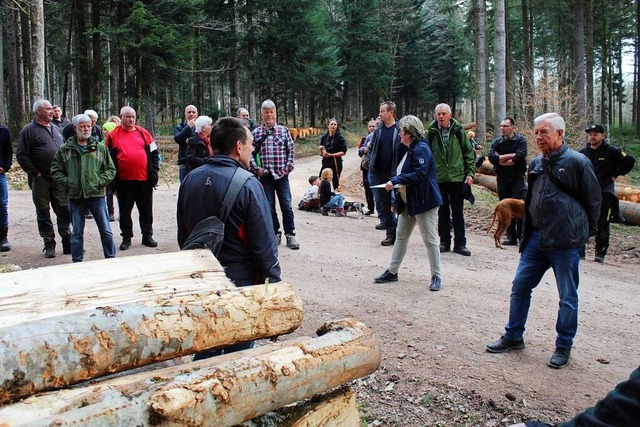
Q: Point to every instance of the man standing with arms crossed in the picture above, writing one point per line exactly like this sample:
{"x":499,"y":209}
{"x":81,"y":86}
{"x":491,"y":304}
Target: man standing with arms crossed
{"x":609,"y":162}
{"x":561,"y":211}
{"x":455,"y":167}
{"x":38,"y":143}
{"x":273,"y":162}
{"x":181,"y":134}
{"x":508,"y":155}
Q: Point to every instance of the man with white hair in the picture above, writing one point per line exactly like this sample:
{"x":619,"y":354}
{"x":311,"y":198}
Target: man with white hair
{"x":69,"y":130}
{"x":84,"y":166}
{"x":38,"y":143}
{"x":562,"y":210}
{"x":272,"y":163}
{"x":135,"y":154}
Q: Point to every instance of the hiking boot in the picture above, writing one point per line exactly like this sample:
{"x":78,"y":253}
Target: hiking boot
{"x":381,"y":227}
{"x":462,"y":250}
{"x":386,"y":277}
{"x":49,"y":249}
{"x":279,"y":237}
{"x":325,"y":211}
{"x":510,"y":241}
{"x":388,"y":241}
{"x":503,"y":345}
{"x":436,"y":283}
{"x":148,"y":241}
{"x":560,"y":358}
{"x":126,"y":243}
{"x":4,"y":242}
{"x":66,"y":245}
{"x":599,"y":258}
{"x":444,"y":248}
{"x":292,"y":243}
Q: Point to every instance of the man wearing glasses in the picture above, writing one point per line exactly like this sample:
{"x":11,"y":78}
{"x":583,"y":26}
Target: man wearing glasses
{"x":508,"y":155}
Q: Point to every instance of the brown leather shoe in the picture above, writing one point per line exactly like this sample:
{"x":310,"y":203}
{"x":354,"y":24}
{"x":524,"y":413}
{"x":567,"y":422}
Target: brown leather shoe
{"x":389,"y":241}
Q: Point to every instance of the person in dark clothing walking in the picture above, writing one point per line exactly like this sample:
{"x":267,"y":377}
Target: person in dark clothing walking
{"x":38,"y":143}
{"x":508,"y":155}
{"x":609,"y":162}
{"x":6,"y":160}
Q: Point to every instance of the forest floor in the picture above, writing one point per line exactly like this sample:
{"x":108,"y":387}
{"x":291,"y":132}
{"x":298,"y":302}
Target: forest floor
{"x":434,"y":370}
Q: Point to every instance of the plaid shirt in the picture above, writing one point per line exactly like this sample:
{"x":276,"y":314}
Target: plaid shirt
{"x":277,"y":151}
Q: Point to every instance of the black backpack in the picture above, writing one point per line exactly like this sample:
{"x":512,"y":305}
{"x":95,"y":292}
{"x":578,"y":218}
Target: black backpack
{"x":209,"y":233}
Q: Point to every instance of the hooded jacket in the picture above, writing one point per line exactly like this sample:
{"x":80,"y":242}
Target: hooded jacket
{"x":567,"y":220}
{"x":455,"y":162}
{"x":84,"y":172}
{"x":419,"y":176}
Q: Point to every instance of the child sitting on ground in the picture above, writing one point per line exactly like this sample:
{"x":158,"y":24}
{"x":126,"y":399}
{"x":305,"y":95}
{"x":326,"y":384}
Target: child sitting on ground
{"x":328,"y":199}
{"x":311,"y":200}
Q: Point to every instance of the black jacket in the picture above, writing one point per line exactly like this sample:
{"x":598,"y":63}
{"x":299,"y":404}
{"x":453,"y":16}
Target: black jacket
{"x":567,"y":221}
{"x":609,"y":162}
{"x":249,"y":252}
{"x":398,"y":151}
{"x":6,"y":149}
{"x":37,"y":145}
{"x":181,"y":134}
{"x":501,"y":146}
{"x":197,"y":153}
{"x":333,"y":145}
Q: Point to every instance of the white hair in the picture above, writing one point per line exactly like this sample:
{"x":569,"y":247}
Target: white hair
{"x":124,"y":110}
{"x":91,"y":113}
{"x":555,"y":120}
{"x":267,"y":105}
{"x":80,"y":118}
{"x":40,"y":103}
{"x":445,"y":106}
{"x":203,"y":121}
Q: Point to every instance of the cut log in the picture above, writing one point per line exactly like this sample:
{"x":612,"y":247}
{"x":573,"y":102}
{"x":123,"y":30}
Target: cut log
{"x":54,"y":353}
{"x":221,"y":391}
{"x":335,"y":409}
{"x":487,"y":181}
{"x":630,"y":212}
{"x":63,"y":289}
{"x":486,"y":168}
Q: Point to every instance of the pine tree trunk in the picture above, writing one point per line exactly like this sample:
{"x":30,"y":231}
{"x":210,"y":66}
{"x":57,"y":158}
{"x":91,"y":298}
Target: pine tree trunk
{"x":15,"y":82}
{"x":37,"y":50}
{"x":499,"y":82}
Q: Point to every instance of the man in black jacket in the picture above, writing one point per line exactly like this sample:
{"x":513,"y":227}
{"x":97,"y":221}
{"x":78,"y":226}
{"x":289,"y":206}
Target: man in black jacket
{"x":249,"y":251}
{"x":181,"y":134}
{"x":38,"y":143}
{"x":609,"y":163}
{"x":562,"y":208}
{"x":508,"y":155}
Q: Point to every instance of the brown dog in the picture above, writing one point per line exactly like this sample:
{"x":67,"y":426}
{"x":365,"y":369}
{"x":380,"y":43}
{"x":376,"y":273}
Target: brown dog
{"x":504,"y":211}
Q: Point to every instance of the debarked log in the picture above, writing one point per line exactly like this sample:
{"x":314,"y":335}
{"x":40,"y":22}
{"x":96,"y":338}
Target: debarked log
{"x":54,"y":353}
{"x":487,"y":181}
{"x":337,"y":408}
{"x":48,"y":292}
{"x":221,"y":391}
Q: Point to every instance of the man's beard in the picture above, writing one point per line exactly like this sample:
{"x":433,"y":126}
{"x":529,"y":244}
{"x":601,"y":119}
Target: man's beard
{"x":84,"y":136}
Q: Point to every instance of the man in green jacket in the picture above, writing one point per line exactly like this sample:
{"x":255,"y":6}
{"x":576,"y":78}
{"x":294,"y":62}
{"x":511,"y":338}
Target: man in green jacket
{"x":84,"y":167}
{"x":455,"y":169}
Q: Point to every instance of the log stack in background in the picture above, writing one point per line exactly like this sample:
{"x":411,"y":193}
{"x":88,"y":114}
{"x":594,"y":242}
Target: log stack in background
{"x":66,"y":324}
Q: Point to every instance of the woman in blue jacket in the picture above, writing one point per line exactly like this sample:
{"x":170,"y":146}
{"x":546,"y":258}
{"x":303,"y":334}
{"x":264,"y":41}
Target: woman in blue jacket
{"x":416,"y":202}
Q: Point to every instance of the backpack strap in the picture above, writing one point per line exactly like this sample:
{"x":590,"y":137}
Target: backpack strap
{"x":240,"y":176}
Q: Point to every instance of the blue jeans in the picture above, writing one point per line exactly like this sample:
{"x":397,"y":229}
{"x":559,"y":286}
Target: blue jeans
{"x":4,"y":201}
{"x":534,"y":262}
{"x":336,"y":201}
{"x":98,"y":208}
{"x":384,"y":200}
{"x":281,"y":188}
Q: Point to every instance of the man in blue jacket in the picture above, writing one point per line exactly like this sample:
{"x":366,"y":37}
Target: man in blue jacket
{"x":562,"y":209}
{"x":249,"y":251}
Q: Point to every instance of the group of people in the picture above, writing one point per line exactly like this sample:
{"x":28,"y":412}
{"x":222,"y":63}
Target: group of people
{"x":77,"y":176}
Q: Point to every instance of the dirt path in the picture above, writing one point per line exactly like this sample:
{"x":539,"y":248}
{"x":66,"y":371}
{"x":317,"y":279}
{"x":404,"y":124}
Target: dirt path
{"x":434,"y":370}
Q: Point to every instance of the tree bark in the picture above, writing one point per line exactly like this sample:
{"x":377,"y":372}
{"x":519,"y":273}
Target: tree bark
{"x":17,"y":116}
{"x":55,"y":353}
{"x":589,"y":61}
{"x":226,"y":390}
{"x":37,"y":50}
{"x":500,"y":76}
{"x":481,"y":51}
{"x":579,"y":63}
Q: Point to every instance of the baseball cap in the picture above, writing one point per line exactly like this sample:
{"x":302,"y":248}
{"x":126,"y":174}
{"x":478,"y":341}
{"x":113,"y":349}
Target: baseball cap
{"x":595,"y":128}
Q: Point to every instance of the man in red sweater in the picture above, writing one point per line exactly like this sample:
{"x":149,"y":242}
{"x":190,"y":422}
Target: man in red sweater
{"x":136,"y":157}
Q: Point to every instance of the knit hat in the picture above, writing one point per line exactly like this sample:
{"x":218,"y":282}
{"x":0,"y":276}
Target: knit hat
{"x":109,"y":126}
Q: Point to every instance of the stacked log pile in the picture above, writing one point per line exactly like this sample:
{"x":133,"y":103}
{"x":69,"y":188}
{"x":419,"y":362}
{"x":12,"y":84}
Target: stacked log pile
{"x":304,"y":132}
{"x":67,"y":324}
{"x":629,"y":195}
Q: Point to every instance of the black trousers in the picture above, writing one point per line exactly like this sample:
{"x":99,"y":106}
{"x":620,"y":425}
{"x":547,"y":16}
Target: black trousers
{"x":331,"y":164}
{"x":514,"y":188}
{"x":602,"y":236}
{"x":368,"y":192}
{"x":452,"y":209}
{"x":139,"y":193}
